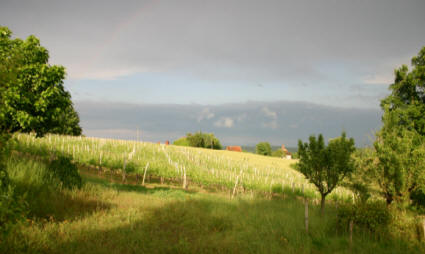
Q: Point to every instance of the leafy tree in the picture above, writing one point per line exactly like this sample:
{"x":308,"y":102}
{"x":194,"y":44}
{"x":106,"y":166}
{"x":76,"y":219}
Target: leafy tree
{"x":33,"y":98}
{"x":362,"y":182}
{"x":205,"y":140}
{"x":326,"y":166}
{"x":263,"y":148}
{"x":407,"y":99}
{"x":68,"y":122}
{"x":400,"y":144}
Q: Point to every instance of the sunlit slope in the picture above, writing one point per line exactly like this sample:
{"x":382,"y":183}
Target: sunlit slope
{"x":248,"y":172}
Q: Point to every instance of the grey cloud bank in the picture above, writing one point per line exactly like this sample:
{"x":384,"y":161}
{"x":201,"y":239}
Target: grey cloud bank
{"x":234,"y":124}
{"x":170,"y":54}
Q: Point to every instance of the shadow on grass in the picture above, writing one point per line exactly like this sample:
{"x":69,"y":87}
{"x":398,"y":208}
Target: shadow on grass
{"x":214,"y":225}
{"x":48,"y":203}
{"x":106,"y":183}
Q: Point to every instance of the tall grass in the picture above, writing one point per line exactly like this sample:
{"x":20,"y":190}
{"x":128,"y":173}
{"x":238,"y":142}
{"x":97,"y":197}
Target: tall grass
{"x":157,"y":219}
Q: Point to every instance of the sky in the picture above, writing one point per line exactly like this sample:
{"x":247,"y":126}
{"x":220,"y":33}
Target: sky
{"x":248,"y":71}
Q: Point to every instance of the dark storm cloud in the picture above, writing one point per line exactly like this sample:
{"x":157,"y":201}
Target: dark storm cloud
{"x":245,"y":123}
{"x":225,"y":40}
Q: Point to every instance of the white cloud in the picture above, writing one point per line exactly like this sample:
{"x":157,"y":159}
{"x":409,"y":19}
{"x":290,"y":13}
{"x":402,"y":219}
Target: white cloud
{"x":269,"y":113}
{"x":272,"y":115}
{"x":381,"y":79}
{"x":225,"y":122}
{"x":205,"y":114}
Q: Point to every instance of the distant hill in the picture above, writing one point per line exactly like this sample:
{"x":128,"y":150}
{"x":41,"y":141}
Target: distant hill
{"x":251,"y":149}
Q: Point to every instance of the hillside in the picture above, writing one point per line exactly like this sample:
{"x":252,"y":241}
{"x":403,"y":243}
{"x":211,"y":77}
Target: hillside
{"x":204,"y":167}
{"x":251,"y":149}
{"x":114,"y":213}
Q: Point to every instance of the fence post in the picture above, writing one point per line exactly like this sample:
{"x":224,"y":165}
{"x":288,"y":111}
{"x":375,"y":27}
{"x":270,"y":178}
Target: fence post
{"x":123,"y":172}
{"x":306,"y":215}
{"x":423,"y":226}
{"x":351,"y":233}
{"x":144,"y":174}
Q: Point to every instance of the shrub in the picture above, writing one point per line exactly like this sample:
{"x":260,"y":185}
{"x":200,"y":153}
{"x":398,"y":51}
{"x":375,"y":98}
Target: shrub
{"x":371,"y":216}
{"x":205,"y":140}
{"x":263,"y":148}
{"x":12,"y":210}
{"x":65,"y":171}
{"x":181,"y":142}
{"x":278,"y":153}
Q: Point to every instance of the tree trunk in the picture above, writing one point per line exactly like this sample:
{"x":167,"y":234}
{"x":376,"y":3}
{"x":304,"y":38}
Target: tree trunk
{"x":389,"y":199}
{"x":322,"y":205}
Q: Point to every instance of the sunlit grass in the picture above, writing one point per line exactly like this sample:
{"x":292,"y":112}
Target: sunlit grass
{"x":209,"y":168}
{"x":157,"y":219}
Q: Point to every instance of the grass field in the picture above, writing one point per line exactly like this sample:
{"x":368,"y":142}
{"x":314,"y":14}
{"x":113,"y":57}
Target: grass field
{"x":106,"y":217}
{"x":109,"y":216}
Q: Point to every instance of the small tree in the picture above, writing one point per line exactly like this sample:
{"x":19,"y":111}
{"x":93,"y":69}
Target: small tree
{"x":326,"y":166}
{"x":205,"y":140}
{"x":263,"y":148}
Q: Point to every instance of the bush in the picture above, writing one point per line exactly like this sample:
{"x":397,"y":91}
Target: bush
{"x":66,"y":172}
{"x":204,"y":140}
{"x":278,"y":153}
{"x":263,"y":148}
{"x":181,"y":142}
{"x":371,"y":216}
{"x":12,"y":210}
{"x":418,"y":200}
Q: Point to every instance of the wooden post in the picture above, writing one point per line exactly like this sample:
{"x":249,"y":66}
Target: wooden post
{"x":100,"y":163}
{"x":351,"y":233}
{"x":293,"y":187}
{"x":423,"y":226}
{"x":306,"y":215}
{"x":144,"y":174}
{"x":234,"y":188}
{"x":123,"y":172}
{"x":184,"y":178}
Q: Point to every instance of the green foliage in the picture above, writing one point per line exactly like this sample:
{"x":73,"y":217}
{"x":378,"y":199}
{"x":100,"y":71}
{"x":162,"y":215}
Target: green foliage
{"x":400,"y":144}
{"x":13,"y":210}
{"x":278,"y":153}
{"x":181,"y":142}
{"x":326,"y":166}
{"x":371,"y":216}
{"x":205,"y":140}
{"x":32,"y":95}
{"x":263,"y":148}
{"x":362,"y":183}
{"x":407,"y":100}
{"x":400,"y":163}
{"x":63,"y":169}
{"x":68,"y":123}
